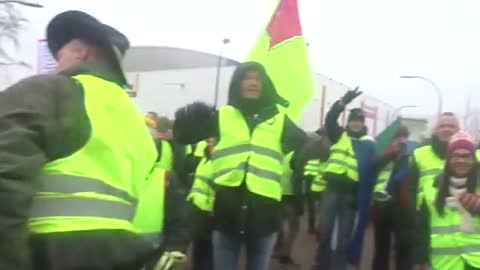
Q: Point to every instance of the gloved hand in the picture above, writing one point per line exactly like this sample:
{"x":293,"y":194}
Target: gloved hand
{"x":196,"y":110}
{"x":169,"y":260}
{"x":350,"y":96}
{"x":471,"y":202}
{"x":200,"y":110}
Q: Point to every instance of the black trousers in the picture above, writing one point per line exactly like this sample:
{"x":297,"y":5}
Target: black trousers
{"x":202,"y":254}
{"x":92,"y":250}
{"x":393,"y":219}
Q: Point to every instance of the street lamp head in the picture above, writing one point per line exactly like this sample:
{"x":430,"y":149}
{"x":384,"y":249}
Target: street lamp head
{"x":408,"y":77}
{"x":226,"y":41}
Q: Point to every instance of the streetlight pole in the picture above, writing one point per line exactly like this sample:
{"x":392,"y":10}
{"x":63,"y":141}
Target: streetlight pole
{"x":435,"y":87}
{"x":225,"y":41}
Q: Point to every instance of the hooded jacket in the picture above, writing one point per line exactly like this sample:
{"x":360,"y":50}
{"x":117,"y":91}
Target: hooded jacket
{"x":198,"y":121}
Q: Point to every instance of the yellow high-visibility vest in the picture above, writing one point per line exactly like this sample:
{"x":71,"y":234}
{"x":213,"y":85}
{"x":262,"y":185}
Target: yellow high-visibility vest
{"x":429,"y":166}
{"x":383,"y":177}
{"x":255,"y":157}
{"x":200,"y":149}
{"x":149,"y":217}
{"x":450,"y":246}
{"x":287,"y":185}
{"x":98,"y":186}
{"x":315,"y":168}
{"x":202,"y":193}
{"x":342,"y":157}
{"x":166,"y":156}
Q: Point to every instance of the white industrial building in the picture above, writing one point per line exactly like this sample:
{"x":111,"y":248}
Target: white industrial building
{"x":166,"y":78}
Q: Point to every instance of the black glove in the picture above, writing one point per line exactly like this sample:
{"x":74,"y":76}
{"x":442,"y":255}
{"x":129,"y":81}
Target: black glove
{"x":194,"y":117}
{"x":200,"y":110}
{"x":350,"y":96}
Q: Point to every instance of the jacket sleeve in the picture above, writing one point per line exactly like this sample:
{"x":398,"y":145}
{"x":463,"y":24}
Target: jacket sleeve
{"x":334,"y":131}
{"x":176,"y":230}
{"x":293,"y":139}
{"x":194,"y":123}
{"x":380,"y":162}
{"x":422,"y":235}
{"x":30,"y":127}
{"x":191,"y":163}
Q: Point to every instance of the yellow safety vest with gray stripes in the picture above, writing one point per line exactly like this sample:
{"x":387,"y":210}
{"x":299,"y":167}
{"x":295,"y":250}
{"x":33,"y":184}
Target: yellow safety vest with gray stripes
{"x":315,"y":169}
{"x":383,"y":177}
{"x":98,"y":186}
{"x":202,"y":193}
{"x":149,"y":217}
{"x":342,"y":157}
{"x":451,"y":245}
{"x":429,"y":167}
{"x":255,"y":157}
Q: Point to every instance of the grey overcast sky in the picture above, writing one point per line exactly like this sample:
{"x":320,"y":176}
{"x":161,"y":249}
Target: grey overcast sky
{"x":357,"y":42}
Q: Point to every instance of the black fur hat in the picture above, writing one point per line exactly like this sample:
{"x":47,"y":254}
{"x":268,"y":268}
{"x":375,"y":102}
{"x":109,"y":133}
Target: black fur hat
{"x":76,"y":24}
{"x":356,"y":114}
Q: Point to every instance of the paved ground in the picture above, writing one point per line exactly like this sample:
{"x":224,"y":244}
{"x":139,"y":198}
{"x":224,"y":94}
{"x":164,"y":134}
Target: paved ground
{"x":304,"y":250}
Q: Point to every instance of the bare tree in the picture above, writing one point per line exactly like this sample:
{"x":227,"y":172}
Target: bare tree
{"x":11,"y":23}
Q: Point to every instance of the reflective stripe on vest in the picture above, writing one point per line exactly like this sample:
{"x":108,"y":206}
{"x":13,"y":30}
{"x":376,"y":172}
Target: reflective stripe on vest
{"x":97,"y":187}
{"x":248,"y":148}
{"x":81,"y":207}
{"x":448,"y":241}
{"x":342,"y":158}
{"x":255,"y":157}
{"x":241,"y":167}
{"x":312,"y":167}
{"x":319,"y":184}
{"x":166,"y":156}
{"x":59,"y":183}
{"x":202,"y":193}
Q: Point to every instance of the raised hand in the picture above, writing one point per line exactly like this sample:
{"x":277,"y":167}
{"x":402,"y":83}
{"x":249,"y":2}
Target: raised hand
{"x":351,"y":95}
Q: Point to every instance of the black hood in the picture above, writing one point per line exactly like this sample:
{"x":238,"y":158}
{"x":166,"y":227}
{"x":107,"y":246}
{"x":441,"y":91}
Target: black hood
{"x":269,"y":98}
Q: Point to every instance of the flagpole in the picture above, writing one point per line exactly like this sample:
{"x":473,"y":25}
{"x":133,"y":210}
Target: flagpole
{"x":225,"y":41}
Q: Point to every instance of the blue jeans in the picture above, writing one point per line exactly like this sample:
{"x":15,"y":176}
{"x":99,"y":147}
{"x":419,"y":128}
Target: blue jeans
{"x":227,"y":246}
{"x":337,"y":210}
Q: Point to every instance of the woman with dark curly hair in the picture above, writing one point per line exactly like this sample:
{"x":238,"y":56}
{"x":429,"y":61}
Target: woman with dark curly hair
{"x":448,"y":232}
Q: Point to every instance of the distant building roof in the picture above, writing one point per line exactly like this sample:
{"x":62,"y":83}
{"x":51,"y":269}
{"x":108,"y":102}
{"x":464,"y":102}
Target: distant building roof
{"x":151,"y":58}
